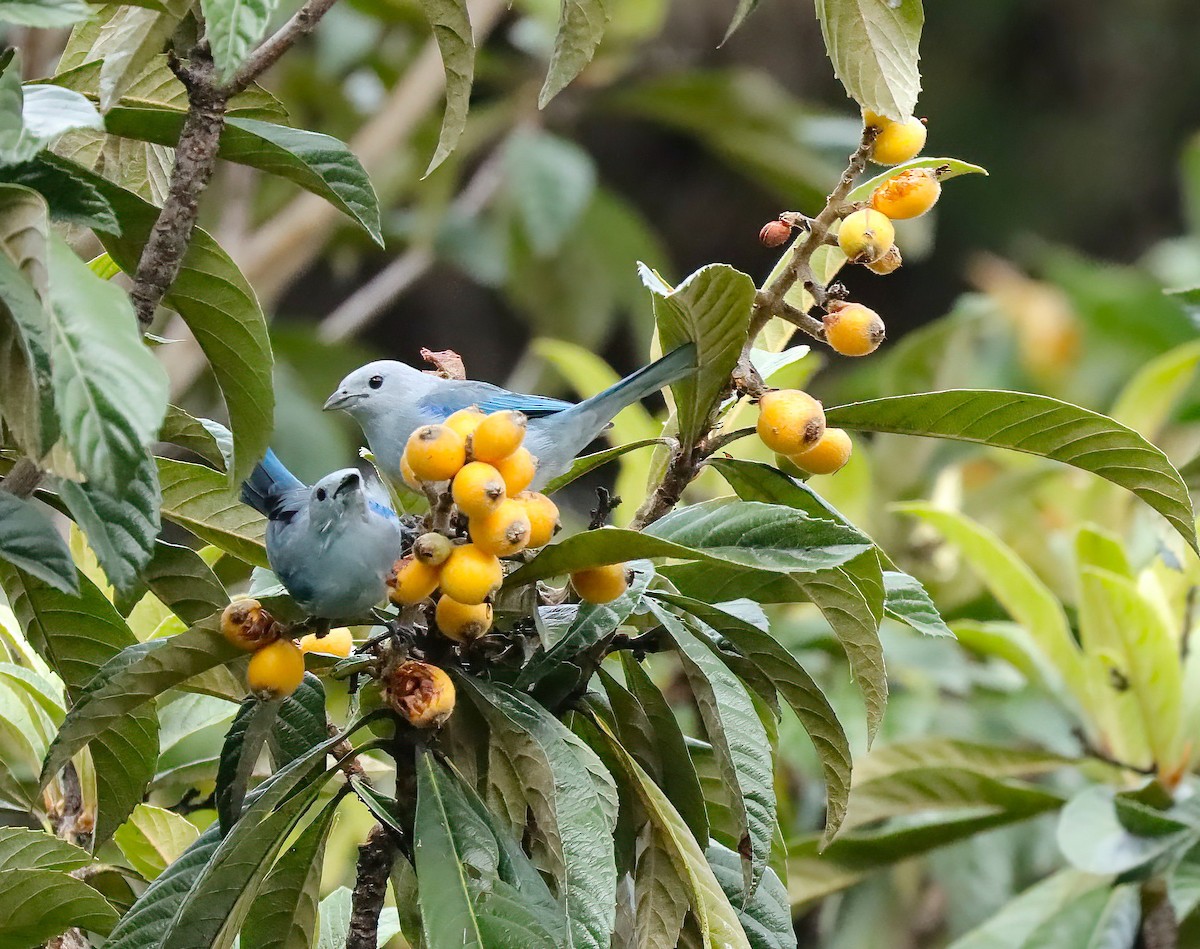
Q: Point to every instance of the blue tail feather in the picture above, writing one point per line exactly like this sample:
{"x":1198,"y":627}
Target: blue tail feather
{"x":636,"y":386}
{"x":267,"y":484}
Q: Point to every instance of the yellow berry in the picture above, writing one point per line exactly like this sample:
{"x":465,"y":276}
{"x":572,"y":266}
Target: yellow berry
{"x":435,"y":453}
{"x":543,"y":517}
{"x":600,"y":584}
{"x":471,"y":575}
{"x":852,"y":330}
{"x":411,"y":581}
{"x":865,"y":235}
{"x":789,"y":420}
{"x":498,"y":436}
{"x":465,"y":421}
{"x":463,"y":622}
{"x":421,"y":693}
{"x":504,"y":532}
{"x":888,"y":263}
{"x":408,"y":475}
{"x":247,"y":625}
{"x":517,"y":470}
{"x":478,"y":489}
{"x":898,"y":141}
{"x":432,"y":548}
{"x":336,"y":642}
{"x":875,"y":121}
{"x":276,"y":670}
{"x":910,"y":194}
{"x":827,"y":455}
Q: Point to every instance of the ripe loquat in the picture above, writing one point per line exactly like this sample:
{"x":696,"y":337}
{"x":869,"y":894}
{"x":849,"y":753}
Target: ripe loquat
{"x":865,"y":235}
{"x":543,"y":517}
{"x":601,"y":584}
{"x":852,"y":330}
{"x":247,"y":625}
{"x":435,"y":453}
{"x":789,"y":420}
{"x":827,"y":456}
{"x":517,"y":470}
{"x":465,"y":421}
{"x":276,"y":670}
{"x":504,"y":532}
{"x":463,"y":622}
{"x":898,"y":141}
{"x":432,"y":548}
{"x":910,"y":194}
{"x":411,"y":581}
{"x":471,"y":575}
{"x":478,"y":489}
{"x":407,"y":474}
{"x":336,"y":642}
{"x":498,"y":436}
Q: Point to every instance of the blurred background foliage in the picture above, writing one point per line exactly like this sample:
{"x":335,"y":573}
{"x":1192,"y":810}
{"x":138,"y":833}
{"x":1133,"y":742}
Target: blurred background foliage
{"x":519,"y":253}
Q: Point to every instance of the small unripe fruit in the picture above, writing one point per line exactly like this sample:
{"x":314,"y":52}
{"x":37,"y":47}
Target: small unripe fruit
{"x":411,"y":582}
{"x":910,"y":194}
{"x":888,"y":263}
{"x":247,"y":625}
{"x":601,"y":584}
{"x":504,"y":532}
{"x":498,"y":436}
{"x":827,"y":455}
{"x":463,"y":622}
{"x":517,"y":470}
{"x":276,"y":670}
{"x":775,"y":234}
{"x":406,"y":473}
{"x":865,"y":235}
{"x":478,"y":489}
{"x":852,"y":330}
{"x":898,"y":141}
{"x":435,"y":453}
{"x":432,"y":548}
{"x":465,"y":421}
{"x":790,"y":421}
{"x":543,"y":517}
{"x":471,"y":575}
{"x":421,"y":693}
{"x":336,"y":642}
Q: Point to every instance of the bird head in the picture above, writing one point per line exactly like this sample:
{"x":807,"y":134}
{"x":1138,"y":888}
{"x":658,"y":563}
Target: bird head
{"x":335,"y":496}
{"x":378,"y":388}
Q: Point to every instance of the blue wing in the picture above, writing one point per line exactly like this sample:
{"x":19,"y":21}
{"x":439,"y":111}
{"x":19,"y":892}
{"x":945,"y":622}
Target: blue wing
{"x":489,"y":398}
{"x":535,"y":406}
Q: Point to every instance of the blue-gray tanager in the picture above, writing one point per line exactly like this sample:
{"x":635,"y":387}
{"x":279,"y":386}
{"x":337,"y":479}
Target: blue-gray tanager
{"x":391,"y":400}
{"x":331,"y":545}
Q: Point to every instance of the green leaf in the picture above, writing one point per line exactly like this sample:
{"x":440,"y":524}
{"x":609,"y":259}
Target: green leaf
{"x":796,"y":687}
{"x":233,"y":28}
{"x":44,"y":14}
{"x":948,"y":168}
{"x":744,"y":9}
{"x":243,"y":744}
{"x":153,"y":838}
{"x":588,"y":463}
{"x":220,"y":309}
{"x":711,"y":308}
{"x":581,"y":25}
{"x":766,"y":537}
{"x":740,"y":744}
{"x":464,"y":899}
{"x":301,"y":724}
{"x":1036,"y":425}
{"x":25,"y":849}
{"x":1100,"y":919}
{"x":874,"y":50}
{"x":49,"y":112}
{"x":1020,"y":916}
{"x":767,"y":915}
{"x":184,"y":583}
{"x":718,"y":922}
{"x":1093,"y":839}
{"x":78,"y":635}
{"x":995,"y":761}
{"x":573,"y":802}
{"x":906,"y":600}
{"x":451,"y":24}
{"x":110,"y":391}
{"x":71,"y":200}
{"x":130,"y":679}
{"x":284,"y":914}
{"x":121,"y":527}
{"x":203,"y":501}
{"x":210,"y":440}
{"x":550,"y":181}
{"x":36,"y":905}
{"x":28,"y":540}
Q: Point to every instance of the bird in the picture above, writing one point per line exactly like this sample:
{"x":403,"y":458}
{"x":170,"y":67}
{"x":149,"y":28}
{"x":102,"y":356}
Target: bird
{"x":332,"y":545}
{"x":391,"y":400}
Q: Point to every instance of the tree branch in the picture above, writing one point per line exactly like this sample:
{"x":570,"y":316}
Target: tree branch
{"x":376,"y":856}
{"x":303,"y":22}
{"x":23,"y":479}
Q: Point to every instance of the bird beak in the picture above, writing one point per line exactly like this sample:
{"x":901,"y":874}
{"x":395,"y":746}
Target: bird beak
{"x":341,"y":399}
{"x":350,"y":479}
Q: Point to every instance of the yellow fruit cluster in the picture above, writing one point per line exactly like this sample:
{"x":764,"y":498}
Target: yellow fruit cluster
{"x":488,"y":470}
{"x":792,"y":423}
{"x":277,"y":667}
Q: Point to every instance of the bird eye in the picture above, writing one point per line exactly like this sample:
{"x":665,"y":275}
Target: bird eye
{"x":375,"y":382}
{"x":320,"y":494}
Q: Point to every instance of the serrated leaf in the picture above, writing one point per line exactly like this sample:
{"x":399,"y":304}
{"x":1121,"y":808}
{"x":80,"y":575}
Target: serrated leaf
{"x":724,"y":531}
{"x":451,"y":24}
{"x":284,"y":914}
{"x":153,"y":838}
{"x":906,"y":600}
{"x":22,"y":848}
{"x":796,"y":687}
{"x":550,"y":181}
{"x":580,"y":28}
{"x":243,"y":744}
{"x":740,"y":744}
{"x":712,"y":308}
{"x":184,"y":583}
{"x":233,"y":28}
{"x":573,"y":801}
{"x":301,"y":724}
{"x":36,"y":905}
{"x":121,"y":527}
{"x":44,"y":14}
{"x":203,"y":501}
{"x":1037,"y":425}
{"x":28,"y":540}
{"x":873,"y":45}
